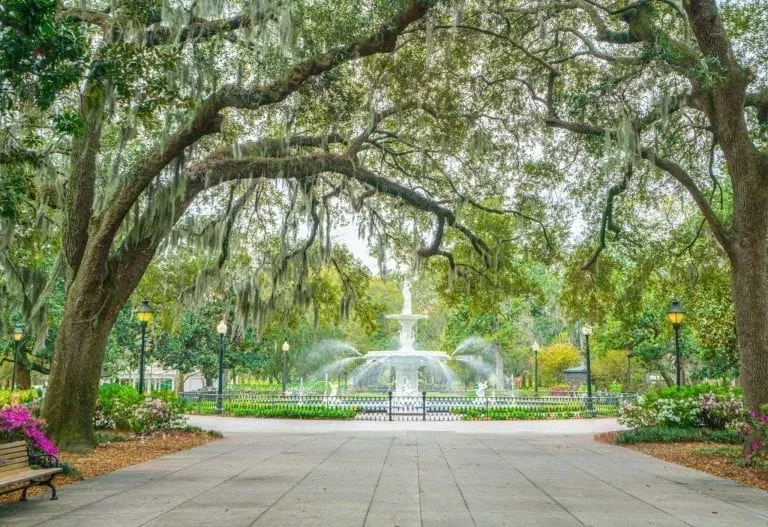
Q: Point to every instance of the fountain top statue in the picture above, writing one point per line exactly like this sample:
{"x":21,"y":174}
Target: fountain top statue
{"x":407,"y":320}
{"x":407,"y":297}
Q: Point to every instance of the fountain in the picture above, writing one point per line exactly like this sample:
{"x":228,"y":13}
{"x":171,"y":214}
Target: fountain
{"x":370,"y":370}
{"x":406,"y":361}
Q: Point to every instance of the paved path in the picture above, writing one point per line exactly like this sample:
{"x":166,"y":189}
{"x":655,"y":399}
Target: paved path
{"x":327,"y":474}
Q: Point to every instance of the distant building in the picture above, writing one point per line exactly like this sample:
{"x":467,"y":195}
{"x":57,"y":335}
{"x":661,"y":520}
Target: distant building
{"x":576,"y":376}
{"x":157,"y":378}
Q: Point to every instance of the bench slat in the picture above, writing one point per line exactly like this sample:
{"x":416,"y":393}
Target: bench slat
{"x":10,"y":457}
{"x":12,"y":446}
{"x":10,"y":473}
{"x":26,"y":475}
{"x":12,"y":463}
{"x":14,"y":466}
{"x":10,"y":452}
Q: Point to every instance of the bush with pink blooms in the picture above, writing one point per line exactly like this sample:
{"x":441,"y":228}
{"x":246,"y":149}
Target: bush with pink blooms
{"x":17,"y":424}
{"x":756,"y":427}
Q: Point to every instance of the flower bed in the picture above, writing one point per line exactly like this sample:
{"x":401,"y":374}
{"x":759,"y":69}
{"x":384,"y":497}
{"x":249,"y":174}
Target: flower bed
{"x":700,"y":406}
{"x":121,"y":407}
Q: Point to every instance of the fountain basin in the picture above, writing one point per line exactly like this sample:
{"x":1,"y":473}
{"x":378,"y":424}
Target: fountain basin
{"x":406,"y":363}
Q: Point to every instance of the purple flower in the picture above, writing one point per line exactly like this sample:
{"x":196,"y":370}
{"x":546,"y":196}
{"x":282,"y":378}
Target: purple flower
{"x":18,"y":418}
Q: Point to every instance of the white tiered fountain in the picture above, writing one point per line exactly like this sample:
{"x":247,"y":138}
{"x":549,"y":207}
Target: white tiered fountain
{"x":406,"y":361}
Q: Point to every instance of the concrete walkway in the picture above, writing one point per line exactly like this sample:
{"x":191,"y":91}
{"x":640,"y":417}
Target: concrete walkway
{"x":330,"y":474}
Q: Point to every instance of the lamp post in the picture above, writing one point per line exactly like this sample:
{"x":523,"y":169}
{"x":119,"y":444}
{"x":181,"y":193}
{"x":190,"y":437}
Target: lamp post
{"x":286,"y":348}
{"x":675,"y":314}
{"x":629,"y":368}
{"x":221,"y":329}
{"x":18,"y":334}
{"x":144,"y":314}
{"x":586,"y":330}
{"x":535,"y":347}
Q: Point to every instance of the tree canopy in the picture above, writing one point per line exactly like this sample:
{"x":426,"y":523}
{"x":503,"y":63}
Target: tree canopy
{"x":541,"y":164}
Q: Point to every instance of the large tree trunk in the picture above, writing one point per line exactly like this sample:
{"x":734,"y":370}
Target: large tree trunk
{"x":76,"y":370}
{"x":23,"y":377}
{"x":750,"y":299}
{"x":71,"y":397}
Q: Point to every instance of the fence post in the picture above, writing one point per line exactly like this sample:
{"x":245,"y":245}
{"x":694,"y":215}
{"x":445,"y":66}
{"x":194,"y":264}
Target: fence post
{"x":390,"y":405}
{"x":424,"y":405}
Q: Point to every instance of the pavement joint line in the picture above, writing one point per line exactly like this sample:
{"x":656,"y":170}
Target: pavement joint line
{"x":461,"y":492}
{"x":284,"y":494}
{"x":228,"y":479}
{"x":57,"y":516}
{"x":378,"y":480}
{"x":529,"y":480}
{"x":418,"y":480}
{"x":598,"y":478}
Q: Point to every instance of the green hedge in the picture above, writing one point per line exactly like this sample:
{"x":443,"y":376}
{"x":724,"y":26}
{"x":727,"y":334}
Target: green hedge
{"x":249,"y":409}
{"x":663,"y":434}
{"x":295,"y":412}
{"x":543,"y":412}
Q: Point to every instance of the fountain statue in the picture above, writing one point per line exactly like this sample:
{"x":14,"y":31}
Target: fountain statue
{"x":481,"y":386}
{"x":407,"y":298}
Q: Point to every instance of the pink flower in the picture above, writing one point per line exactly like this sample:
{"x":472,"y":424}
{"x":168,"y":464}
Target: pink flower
{"x":17,"y":418}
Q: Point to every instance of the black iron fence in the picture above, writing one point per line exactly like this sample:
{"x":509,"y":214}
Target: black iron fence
{"x":393,"y":406}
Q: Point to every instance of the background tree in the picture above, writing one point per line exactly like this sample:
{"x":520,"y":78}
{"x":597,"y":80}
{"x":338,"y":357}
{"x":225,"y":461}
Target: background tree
{"x":555,"y":358}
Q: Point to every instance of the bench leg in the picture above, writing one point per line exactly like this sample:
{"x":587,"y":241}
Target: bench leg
{"x":49,"y":483}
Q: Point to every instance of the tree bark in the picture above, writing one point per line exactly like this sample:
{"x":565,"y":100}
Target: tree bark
{"x":74,"y":382}
{"x":750,"y":300}
{"x":23,"y":377}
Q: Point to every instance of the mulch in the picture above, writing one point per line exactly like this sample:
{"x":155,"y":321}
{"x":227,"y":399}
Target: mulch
{"x":111,"y":456}
{"x":686,"y":454}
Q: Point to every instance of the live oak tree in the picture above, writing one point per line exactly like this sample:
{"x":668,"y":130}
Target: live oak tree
{"x":181,"y":111}
{"x":665,"y":96}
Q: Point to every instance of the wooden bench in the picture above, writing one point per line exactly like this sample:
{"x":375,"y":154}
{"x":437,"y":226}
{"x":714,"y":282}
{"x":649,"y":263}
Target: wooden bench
{"x":17,"y":474}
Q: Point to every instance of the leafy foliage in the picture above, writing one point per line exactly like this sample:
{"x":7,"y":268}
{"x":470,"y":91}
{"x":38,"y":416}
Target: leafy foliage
{"x":40,"y":53}
{"x":659,"y":434}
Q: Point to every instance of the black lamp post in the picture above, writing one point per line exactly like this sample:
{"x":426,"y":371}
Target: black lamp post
{"x":629,"y":369}
{"x":675,"y":314}
{"x":535,"y":347}
{"x":286,"y":348}
{"x":221,"y":329}
{"x":586,"y":330}
{"x":18,"y":334}
{"x":144,"y":314}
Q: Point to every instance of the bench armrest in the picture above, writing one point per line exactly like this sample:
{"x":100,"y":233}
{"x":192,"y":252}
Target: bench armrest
{"x":44,"y":460}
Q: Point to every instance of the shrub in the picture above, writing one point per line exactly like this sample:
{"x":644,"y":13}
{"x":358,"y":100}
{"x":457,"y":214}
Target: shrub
{"x":691,"y":406}
{"x":756,"y":428}
{"x":155,"y":414}
{"x":17,"y":423}
{"x":18,"y":397}
{"x":294,"y":412}
{"x":171,"y":398}
{"x":666,"y":434}
{"x":559,"y":390}
{"x":118,"y":404}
